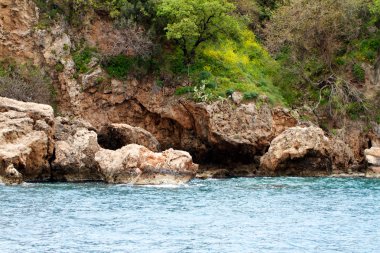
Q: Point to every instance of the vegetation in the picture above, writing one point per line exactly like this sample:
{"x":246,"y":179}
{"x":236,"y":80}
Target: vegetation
{"x":26,"y":83}
{"x":295,"y":52}
{"x":192,"y":22}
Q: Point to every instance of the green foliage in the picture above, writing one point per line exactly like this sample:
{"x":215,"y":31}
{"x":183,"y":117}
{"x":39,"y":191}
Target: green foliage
{"x":358,"y":72}
{"x":82,"y":58}
{"x":201,"y":93}
{"x":184,"y":90}
{"x":250,"y":95}
{"x":355,"y":110}
{"x":59,"y":67}
{"x":75,"y":10}
{"x":229,"y":92}
{"x":119,"y":66}
{"x":192,"y":22}
{"x":239,"y":65}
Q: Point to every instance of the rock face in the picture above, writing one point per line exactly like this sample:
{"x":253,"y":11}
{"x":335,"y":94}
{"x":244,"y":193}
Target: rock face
{"x":17,"y":22}
{"x":79,"y":157}
{"x":210,"y":132}
{"x":135,"y":164}
{"x":115,"y":136}
{"x":75,"y":151}
{"x":298,"y":151}
{"x":373,"y":159}
{"x":26,"y":139}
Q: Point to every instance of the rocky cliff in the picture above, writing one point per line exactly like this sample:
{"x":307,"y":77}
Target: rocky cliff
{"x":227,"y":137}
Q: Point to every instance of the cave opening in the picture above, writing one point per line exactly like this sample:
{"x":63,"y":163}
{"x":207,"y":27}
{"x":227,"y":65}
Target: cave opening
{"x":109,"y":138}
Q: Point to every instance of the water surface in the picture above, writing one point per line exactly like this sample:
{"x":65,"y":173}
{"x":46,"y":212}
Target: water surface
{"x":236,"y":215}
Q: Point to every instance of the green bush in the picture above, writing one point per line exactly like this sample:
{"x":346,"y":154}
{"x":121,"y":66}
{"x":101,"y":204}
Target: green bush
{"x":358,"y":72}
{"x":250,"y":95}
{"x":184,"y":90}
{"x":82,"y":58}
{"x":119,"y":66}
{"x":59,"y":67}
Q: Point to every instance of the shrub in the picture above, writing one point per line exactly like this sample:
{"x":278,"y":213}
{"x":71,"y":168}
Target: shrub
{"x":358,"y":72}
{"x":250,"y":95}
{"x":26,"y":83}
{"x":184,"y":90}
{"x":82,"y":58}
{"x":119,"y":66}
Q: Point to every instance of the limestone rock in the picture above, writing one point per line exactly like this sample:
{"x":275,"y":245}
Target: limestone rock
{"x":298,"y":151}
{"x":58,"y":49}
{"x":115,"y":136}
{"x":26,"y":137}
{"x":373,"y":172}
{"x":17,"y":23}
{"x":135,"y":164}
{"x":10,"y":176}
{"x":75,"y":151}
{"x":372,"y":156}
{"x":237,"y":97}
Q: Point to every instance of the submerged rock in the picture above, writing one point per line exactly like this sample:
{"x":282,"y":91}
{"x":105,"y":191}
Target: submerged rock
{"x":135,"y":164}
{"x":26,"y":137}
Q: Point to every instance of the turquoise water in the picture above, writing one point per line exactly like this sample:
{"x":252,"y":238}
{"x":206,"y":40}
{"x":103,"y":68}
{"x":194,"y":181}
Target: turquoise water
{"x":236,"y":215}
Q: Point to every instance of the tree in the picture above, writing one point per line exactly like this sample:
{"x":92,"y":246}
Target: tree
{"x":192,"y":22}
{"x":314,"y":27}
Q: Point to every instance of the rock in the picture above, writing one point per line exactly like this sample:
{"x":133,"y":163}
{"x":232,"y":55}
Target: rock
{"x":58,"y":49}
{"x":298,"y":152}
{"x":75,"y":151}
{"x":237,"y":97}
{"x":17,"y":24}
{"x":372,"y":156}
{"x":10,"y":176}
{"x":343,"y":157}
{"x":26,"y":137}
{"x":91,"y":79}
{"x":115,"y":136}
{"x":135,"y":164}
{"x":373,"y":172}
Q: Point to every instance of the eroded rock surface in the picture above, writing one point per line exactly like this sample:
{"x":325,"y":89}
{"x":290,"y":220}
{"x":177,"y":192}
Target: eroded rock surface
{"x":75,"y":149}
{"x":373,"y":159}
{"x":10,"y":176}
{"x":115,"y":136}
{"x":299,"y":151}
{"x":135,"y":164}
{"x":26,"y":139}
{"x":17,"y":21}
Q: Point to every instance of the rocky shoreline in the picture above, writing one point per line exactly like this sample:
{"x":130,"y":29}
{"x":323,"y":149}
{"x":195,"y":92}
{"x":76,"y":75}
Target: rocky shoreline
{"x":36,"y":146}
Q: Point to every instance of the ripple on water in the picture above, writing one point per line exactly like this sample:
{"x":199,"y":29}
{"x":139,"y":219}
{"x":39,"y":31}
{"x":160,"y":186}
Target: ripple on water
{"x":237,"y":215}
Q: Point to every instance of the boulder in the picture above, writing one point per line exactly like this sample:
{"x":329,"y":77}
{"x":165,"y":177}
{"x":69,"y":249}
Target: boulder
{"x":26,"y":137}
{"x":115,"y":136}
{"x":10,"y":176}
{"x":298,"y":151}
{"x":373,"y":160}
{"x":75,"y":149}
{"x":135,"y":164}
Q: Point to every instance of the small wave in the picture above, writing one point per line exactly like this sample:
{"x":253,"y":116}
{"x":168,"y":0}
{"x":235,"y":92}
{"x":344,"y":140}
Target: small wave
{"x":169,"y":186}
